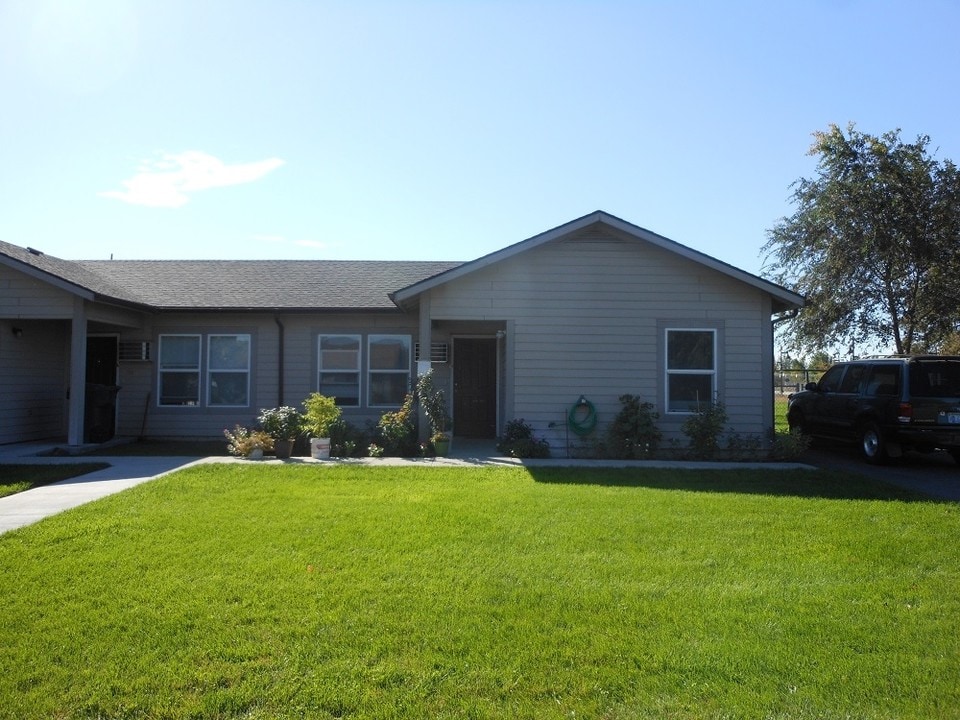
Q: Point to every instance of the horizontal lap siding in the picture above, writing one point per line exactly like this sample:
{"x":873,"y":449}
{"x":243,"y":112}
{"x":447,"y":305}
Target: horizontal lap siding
{"x":139,"y":380}
{"x":22,"y":296}
{"x":585,"y":319}
{"x":33,"y":385}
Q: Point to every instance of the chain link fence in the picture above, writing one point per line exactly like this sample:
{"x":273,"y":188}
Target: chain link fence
{"x":788,"y":380}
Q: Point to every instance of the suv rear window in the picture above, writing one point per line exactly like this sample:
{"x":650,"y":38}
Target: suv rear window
{"x":935,"y":378}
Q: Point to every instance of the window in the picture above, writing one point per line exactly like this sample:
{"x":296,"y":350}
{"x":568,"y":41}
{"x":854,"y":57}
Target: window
{"x":339,"y":364}
{"x":179,"y":370}
{"x":830,"y":381}
{"x":851,"y":379}
{"x":228,"y":370}
{"x":389,"y":360}
{"x":691,"y":369}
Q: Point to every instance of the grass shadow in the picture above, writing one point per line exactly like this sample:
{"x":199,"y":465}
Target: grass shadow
{"x":822,"y":484}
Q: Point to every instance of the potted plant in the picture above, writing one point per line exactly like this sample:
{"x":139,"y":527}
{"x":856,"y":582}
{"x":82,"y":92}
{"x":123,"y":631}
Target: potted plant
{"x":283,"y":424}
{"x":320,"y":412}
{"x":245,"y":443}
{"x":434,"y":404}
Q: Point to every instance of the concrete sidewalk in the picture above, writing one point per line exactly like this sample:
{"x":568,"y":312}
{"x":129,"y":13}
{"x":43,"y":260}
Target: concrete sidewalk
{"x":28,"y":507}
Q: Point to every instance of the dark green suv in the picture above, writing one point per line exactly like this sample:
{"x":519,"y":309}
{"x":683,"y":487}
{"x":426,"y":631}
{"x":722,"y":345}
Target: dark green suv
{"x":886,"y":405}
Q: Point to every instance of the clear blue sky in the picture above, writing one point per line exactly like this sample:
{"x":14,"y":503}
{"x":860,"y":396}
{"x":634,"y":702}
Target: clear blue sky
{"x":440,"y":130}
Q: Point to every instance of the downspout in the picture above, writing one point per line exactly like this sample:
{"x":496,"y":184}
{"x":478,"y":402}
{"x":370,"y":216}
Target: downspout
{"x":280,"y":344}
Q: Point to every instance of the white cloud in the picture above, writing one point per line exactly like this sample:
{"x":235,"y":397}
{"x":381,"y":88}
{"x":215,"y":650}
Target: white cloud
{"x":168,"y":182}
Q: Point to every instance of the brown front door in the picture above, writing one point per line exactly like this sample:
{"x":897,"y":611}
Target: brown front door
{"x":475,"y":387}
{"x":100,"y":409}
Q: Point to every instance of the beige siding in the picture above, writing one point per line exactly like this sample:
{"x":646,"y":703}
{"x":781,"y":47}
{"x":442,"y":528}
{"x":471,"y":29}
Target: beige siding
{"x":21,"y":296}
{"x":585,"y":314}
{"x":33,"y":385}
{"x":137,"y":403}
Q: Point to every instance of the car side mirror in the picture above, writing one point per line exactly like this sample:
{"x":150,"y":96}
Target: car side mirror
{"x":811,"y":386}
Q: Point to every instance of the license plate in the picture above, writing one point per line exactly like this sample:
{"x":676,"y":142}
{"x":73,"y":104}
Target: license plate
{"x":953,"y":418}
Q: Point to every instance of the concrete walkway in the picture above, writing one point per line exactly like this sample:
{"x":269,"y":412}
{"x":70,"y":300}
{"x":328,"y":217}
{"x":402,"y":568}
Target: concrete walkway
{"x":124,"y":472}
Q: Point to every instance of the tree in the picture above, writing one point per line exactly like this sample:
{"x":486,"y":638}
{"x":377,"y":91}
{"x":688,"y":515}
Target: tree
{"x":874,"y":245}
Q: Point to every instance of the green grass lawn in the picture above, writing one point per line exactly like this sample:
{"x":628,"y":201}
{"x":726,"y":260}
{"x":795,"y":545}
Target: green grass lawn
{"x":17,"y":478}
{"x":780,"y":414}
{"x":251,"y":591}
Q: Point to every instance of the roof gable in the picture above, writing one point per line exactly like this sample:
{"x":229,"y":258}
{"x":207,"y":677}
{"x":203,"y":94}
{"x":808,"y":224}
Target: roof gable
{"x":783,"y":299}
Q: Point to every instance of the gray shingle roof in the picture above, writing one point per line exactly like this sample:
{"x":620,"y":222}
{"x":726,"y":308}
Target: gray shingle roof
{"x":236,"y":284}
{"x":256,"y":284}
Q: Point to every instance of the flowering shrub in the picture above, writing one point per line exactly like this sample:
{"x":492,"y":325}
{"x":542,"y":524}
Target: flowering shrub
{"x":242,"y":441}
{"x":282,"y":423}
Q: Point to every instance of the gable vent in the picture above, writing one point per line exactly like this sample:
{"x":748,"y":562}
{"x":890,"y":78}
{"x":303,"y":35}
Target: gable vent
{"x":439,"y":352}
{"x":134,"y":351}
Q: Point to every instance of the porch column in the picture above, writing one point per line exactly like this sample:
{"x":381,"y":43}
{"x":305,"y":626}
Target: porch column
{"x":423,"y":366}
{"x":78,"y":373}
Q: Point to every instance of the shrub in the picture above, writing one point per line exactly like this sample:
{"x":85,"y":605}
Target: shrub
{"x":518,"y":441}
{"x":346,"y":440}
{"x":704,"y":429}
{"x":242,"y":441}
{"x":434,"y":404}
{"x":281,"y":423}
{"x":633,"y":433}
{"x":789,"y":446}
{"x":320,"y":412}
{"x":743,"y":447}
{"x":398,"y":430}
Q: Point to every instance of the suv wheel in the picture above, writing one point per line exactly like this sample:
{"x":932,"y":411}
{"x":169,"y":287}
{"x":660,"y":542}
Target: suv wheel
{"x":872,"y":444}
{"x":796,"y":423}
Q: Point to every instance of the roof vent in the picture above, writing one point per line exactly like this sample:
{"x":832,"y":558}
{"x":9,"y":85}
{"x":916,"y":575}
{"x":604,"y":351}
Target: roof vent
{"x":34,"y":251}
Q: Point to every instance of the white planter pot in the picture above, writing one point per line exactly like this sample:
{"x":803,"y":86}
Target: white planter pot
{"x":320,"y":448}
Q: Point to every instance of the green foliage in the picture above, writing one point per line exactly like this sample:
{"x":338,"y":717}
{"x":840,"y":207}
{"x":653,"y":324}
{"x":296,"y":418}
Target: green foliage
{"x":872,"y":244}
{"x":518,"y":441}
{"x":346,"y":439}
{"x":789,"y":445}
{"x":633,"y":433}
{"x":282,"y":423}
{"x":743,"y":448}
{"x":703,"y":430}
{"x":398,"y":430}
{"x":320,"y":412}
{"x":434,"y":403}
{"x":362,"y":592}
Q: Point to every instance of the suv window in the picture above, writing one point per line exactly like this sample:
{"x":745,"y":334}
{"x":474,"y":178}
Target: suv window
{"x":831,"y":379}
{"x":884,"y":380}
{"x":851,"y":381}
{"x":935,"y":378}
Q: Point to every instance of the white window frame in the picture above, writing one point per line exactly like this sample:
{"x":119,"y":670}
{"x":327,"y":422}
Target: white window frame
{"x":231,"y":371}
{"x":371,"y":371}
{"x":670,"y":372}
{"x":358,"y":370}
{"x":162,"y":371}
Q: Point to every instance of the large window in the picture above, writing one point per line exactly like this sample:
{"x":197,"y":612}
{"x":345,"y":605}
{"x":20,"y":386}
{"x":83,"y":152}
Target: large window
{"x":388,"y":357}
{"x":179,"y":370}
{"x":228,"y":370}
{"x":691,"y":369}
{"x":339,"y":364}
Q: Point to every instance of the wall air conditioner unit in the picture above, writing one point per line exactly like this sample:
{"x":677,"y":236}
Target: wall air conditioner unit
{"x":134,"y":351}
{"x":439,"y":352}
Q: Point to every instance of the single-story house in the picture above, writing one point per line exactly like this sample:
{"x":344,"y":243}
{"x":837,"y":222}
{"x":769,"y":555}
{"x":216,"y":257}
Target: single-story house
{"x":595,"y":308}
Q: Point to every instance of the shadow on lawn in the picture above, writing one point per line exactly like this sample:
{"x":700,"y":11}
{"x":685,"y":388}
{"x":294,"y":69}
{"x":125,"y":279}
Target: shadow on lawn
{"x":781,"y":483}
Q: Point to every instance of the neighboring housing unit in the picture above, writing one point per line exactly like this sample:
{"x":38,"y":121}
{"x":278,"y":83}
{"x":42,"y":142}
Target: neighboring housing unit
{"x":596,"y":307}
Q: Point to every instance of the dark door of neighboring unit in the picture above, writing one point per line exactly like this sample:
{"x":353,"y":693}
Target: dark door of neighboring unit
{"x":475,"y":387}
{"x":100,"y":406}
